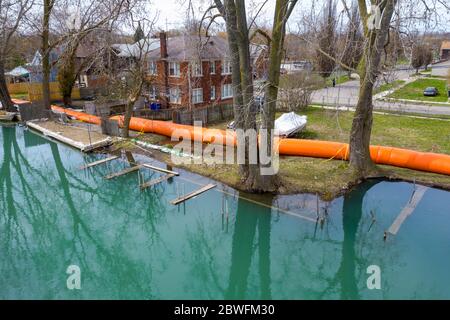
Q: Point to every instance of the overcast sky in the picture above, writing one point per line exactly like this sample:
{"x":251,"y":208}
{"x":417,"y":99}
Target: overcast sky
{"x":172,"y":13}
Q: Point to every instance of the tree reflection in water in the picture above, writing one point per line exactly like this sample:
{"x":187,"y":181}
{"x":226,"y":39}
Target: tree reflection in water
{"x":244,"y":240}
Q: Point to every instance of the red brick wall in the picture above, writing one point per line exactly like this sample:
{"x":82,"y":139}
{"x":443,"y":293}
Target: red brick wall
{"x":163,"y":82}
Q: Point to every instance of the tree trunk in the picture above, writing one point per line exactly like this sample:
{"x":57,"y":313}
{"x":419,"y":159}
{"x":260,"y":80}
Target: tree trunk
{"x":5,"y":98}
{"x":229,"y":13}
{"x":361,"y":131}
{"x":46,"y":68}
{"x":270,"y":182}
{"x":127,"y":119}
{"x":253,"y":180}
{"x":134,"y":96}
{"x":67,"y":100}
{"x":360,"y":160}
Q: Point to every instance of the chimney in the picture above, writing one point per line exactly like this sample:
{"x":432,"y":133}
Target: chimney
{"x":163,"y":44}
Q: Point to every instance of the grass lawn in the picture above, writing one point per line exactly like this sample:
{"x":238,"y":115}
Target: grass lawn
{"x":414,"y":90}
{"x":389,"y":86}
{"x":330,"y":177}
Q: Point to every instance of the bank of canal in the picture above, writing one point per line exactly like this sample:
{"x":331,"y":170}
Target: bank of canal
{"x":133,"y":244}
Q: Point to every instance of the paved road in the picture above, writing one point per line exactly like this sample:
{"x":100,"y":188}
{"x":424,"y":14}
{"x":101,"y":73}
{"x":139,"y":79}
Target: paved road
{"x":346,"y":95}
{"x":441,"y":69}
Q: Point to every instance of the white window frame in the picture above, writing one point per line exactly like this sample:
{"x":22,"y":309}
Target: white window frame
{"x":226,"y":67}
{"x":153,"y":92}
{"x":197,"y":95}
{"x":175,"y":66}
{"x":153,"y":68}
{"x":229,"y":88}
{"x":212,"y":67}
{"x":177,"y":95}
{"x":213,"y":93}
{"x":197,"y":68}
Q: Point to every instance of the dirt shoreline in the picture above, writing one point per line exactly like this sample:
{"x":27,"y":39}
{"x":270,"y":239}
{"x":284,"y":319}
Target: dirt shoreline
{"x":327,"y":192}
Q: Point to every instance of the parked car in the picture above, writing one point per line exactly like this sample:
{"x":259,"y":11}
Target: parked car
{"x":431,"y":92}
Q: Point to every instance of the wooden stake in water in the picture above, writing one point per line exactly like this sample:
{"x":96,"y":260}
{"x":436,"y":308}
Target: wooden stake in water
{"x":317,"y":207}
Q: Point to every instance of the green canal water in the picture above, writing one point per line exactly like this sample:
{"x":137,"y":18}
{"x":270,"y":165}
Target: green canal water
{"x":131,"y":244}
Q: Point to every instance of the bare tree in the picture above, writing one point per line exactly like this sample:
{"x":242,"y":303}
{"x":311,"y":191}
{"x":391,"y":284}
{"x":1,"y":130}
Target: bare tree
{"x":245,"y":110}
{"x":327,"y":38}
{"x":86,"y":21}
{"x":46,"y":67}
{"x":354,"y":42}
{"x":12,"y":14}
{"x":133,"y":60}
{"x":427,"y":56}
{"x":376,"y":33}
{"x":418,"y":57}
{"x":60,"y":29}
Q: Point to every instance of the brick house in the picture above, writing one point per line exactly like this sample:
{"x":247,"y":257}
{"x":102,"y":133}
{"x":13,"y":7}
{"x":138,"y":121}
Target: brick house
{"x":189,"y":71}
{"x":445,"y":50}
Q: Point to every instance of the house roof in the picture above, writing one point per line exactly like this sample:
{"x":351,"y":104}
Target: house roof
{"x":445,"y":45}
{"x":188,"y":47}
{"x":184,"y":48}
{"x":136,"y":49}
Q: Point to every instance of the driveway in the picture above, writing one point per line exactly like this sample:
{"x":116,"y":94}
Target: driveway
{"x":441,"y":69}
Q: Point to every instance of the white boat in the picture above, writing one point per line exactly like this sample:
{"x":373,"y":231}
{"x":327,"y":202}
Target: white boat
{"x":7,"y":116}
{"x":289,"y":124}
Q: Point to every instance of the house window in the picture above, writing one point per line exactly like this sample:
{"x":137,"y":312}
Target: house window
{"x":152,"y":68}
{"x":174,"y":69}
{"x":227,"y":91}
{"x":175,"y":95}
{"x":197,"y":95}
{"x":153,"y":92}
{"x":197,"y":69}
{"x":212,"y":67}
{"x":226,"y":67}
{"x":213,"y":93}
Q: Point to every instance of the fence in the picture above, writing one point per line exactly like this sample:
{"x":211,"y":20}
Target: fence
{"x":34,"y":91}
{"x":207,"y":115}
{"x":163,"y":114}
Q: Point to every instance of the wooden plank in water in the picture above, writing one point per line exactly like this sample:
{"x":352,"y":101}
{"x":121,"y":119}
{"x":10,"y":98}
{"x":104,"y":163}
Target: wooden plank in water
{"x":99,"y":162}
{"x":156,"y":181}
{"x":408,"y":210}
{"x":193,"y":194}
{"x":160,"y":169}
{"x":123,"y":172}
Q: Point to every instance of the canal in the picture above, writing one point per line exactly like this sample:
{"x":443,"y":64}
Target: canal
{"x":133,"y":244}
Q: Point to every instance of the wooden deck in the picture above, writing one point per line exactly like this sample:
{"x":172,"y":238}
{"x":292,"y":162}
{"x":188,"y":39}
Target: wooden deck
{"x":79,"y":138}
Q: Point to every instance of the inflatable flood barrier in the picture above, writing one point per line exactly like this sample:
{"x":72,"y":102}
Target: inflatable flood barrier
{"x":403,"y":158}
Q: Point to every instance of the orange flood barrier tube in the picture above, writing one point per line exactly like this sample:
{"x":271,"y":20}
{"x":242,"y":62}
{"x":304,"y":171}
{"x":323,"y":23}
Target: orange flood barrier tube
{"x":423,"y":161}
